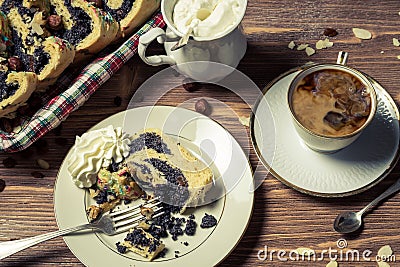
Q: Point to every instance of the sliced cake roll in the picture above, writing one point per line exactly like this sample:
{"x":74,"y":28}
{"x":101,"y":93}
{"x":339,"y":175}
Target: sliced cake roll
{"x":167,"y":169}
{"x":16,"y":88}
{"x":130,"y":13}
{"x":85,"y":26}
{"x":46,"y":55}
{"x":15,"y":85}
{"x":51,"y":59}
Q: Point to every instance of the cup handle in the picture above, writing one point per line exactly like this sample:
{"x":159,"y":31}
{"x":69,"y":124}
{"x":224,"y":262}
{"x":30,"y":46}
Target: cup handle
{"x":146,"y":39}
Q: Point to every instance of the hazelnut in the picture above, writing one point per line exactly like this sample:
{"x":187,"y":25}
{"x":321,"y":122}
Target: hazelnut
{"x":203,"y":107}
{"x":54,"y":22}
{"x":97,"y":3}
{"x":190,"y":86}
{"x":330,"y":32}
{"x":14,"y":63}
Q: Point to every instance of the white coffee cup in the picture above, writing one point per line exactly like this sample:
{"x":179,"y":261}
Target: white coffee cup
{"x":227,"y":48}
{"x":330,"y":144}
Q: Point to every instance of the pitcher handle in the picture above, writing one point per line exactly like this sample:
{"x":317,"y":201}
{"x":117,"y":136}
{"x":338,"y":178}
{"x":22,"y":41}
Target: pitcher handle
{"x":150,"y":36}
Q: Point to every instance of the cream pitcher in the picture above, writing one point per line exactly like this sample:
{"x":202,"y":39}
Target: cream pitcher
{"x":216,"y":36}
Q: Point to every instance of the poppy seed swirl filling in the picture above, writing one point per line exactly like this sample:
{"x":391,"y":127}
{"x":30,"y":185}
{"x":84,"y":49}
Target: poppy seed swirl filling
{"x":121,"y":12}
{"x":9,"y":4}
{"x":175,"y":191}
{"x":149,"y":141}
{"x":41,"y":59}
{"x":19,"y":51}
{"x":6,"y":89}
{"x":35,"y":63}
{"x":79,"y":30}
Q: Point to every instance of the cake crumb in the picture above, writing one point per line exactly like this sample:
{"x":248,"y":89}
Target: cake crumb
{"x":398,"y":57}
{"x":208,"y":221}
{"x":396,"y":42}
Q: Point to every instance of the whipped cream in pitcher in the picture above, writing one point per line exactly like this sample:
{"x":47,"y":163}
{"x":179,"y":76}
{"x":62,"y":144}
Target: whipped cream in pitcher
{"x":216,"y":37}
{"x":207,"y":17}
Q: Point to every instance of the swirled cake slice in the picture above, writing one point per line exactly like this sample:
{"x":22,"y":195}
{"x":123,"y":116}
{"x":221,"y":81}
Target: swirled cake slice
{"x":46,"y":55}
{"x":130,"y":13}
{"x":167,"y":169}
{"x":85,"y":26}
{"x":15,"y":89}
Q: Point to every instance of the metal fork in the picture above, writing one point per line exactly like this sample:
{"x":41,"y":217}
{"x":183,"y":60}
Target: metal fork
{"x":110,"y":224}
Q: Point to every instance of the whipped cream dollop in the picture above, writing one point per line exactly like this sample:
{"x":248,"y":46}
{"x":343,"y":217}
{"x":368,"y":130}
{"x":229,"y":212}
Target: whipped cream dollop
{"x":208,"y":18}
{"x":94,"y":150}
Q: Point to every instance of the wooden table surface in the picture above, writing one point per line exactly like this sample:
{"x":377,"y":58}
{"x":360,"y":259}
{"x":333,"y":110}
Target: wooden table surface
{"x":282,"y":218}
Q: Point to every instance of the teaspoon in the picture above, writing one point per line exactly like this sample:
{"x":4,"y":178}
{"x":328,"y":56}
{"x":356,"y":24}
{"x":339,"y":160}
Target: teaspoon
{"x":348,"y":222}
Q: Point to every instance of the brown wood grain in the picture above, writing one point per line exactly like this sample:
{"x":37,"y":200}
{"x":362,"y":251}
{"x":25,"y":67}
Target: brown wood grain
{"x":282,"y":218}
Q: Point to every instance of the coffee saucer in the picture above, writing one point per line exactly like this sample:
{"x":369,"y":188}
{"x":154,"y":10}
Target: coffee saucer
{"x":349,"y":171}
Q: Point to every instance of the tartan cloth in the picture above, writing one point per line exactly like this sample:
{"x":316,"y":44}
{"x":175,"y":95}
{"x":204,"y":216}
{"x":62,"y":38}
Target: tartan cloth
{"x":70,"y":96}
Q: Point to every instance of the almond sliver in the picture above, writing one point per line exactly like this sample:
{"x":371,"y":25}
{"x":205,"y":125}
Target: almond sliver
{"x":310,"y":51}
{"x":291,"y":45}
{"x":362,"y":34}
{"x":385,"y":251}
{"x":302,"y":46}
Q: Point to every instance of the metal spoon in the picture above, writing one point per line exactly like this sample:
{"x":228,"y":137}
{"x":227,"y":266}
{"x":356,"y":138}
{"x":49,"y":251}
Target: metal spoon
{"x":348,"y":222}
{"x":184,"y":40}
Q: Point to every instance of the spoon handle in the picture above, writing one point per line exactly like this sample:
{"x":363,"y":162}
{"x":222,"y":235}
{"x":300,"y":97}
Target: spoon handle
{"x":391,"y":190}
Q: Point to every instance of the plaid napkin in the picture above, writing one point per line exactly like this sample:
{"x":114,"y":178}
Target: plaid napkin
{"x":70,"y":96}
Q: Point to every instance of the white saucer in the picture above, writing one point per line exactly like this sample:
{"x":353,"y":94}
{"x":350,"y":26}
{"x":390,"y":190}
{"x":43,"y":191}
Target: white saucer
{"x":350,"y":171}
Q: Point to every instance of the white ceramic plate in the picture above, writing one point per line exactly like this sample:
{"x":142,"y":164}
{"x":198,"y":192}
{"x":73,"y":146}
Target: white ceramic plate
{"x":352,"y":170}
{"x":209,"y":246}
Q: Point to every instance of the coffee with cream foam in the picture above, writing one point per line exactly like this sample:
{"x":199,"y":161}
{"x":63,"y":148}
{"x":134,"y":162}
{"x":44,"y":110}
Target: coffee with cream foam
{"x":331,"y":103}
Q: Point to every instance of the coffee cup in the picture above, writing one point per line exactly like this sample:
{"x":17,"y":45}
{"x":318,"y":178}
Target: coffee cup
{"x":331,"y":104}
{"x":227,"y":47}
